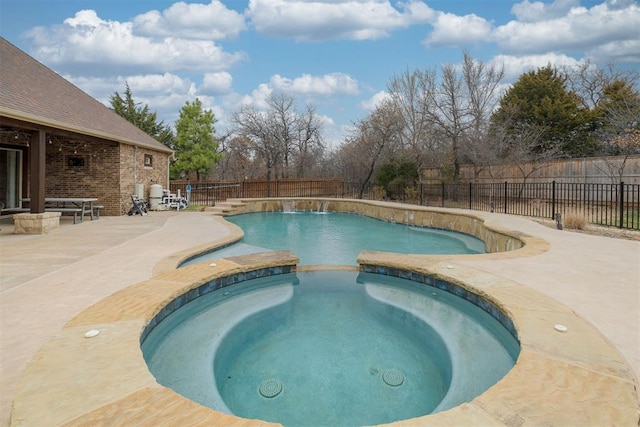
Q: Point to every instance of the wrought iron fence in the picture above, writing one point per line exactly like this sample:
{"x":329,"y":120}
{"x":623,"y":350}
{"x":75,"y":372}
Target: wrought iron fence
{"x":615,"y":205}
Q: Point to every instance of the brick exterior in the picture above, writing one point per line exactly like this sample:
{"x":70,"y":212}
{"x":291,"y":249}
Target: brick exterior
{"x":105,"y":170}
{"x":133,"y":171}
{"x":90,"y":150}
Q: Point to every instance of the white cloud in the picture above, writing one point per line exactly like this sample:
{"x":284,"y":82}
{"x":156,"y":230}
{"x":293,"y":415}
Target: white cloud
{"x":327,"y":84}
{"x":617,"y":52}
{"x":217,"y":83}
{"x":538,"y":11}
{"x":194,"y":20}
{"x":619,"y":4}
{"x":163,"y":93}
{"x":330,"y":20}
{"x":159,"y":83}
{"x":514,"y":66}
{"x":454,"y":30}
{"x":580,"y":30}
{"x":86,"y":41}
{"x":375,"y":101}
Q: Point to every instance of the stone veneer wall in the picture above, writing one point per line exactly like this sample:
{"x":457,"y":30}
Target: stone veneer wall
{"x":495,"y":240}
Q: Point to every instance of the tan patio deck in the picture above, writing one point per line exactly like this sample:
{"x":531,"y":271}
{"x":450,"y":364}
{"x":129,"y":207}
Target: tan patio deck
{"x":47,"y":280}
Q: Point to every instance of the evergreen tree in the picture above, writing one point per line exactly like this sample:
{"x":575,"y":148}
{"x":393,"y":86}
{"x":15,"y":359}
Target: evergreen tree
{"x":539,"y":103}
{"x":141,"y":117}
{"x":195,"y":143}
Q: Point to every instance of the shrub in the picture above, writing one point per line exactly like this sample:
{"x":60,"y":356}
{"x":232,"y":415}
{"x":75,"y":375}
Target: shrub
{"x":379,"y":193}
{"x":575,"y":221}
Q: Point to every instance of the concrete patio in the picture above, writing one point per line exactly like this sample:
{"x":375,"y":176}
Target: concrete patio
{"x":47,"y":280}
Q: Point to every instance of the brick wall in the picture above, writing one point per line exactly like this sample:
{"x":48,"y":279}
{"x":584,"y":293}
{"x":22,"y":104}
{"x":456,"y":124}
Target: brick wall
{"x":105,"y":170}
{"x":134,"y":170}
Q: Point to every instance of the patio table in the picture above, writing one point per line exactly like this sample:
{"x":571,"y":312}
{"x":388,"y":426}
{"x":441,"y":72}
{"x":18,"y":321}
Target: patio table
{"x":81,"y":205}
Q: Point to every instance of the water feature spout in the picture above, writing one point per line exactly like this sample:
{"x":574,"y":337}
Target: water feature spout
{"x":287,"y":206}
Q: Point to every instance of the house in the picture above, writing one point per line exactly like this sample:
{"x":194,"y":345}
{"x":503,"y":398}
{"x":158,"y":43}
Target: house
{"x":57,"y":141}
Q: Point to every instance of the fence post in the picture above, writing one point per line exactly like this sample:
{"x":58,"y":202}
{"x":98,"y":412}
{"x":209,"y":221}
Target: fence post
{"x":421,"y":198}
{"x":553,"y":199}
{"x":442,"y":197}
{"x":506,"y":193}
{"x":470,"y":194}
{"x":621,"y":199}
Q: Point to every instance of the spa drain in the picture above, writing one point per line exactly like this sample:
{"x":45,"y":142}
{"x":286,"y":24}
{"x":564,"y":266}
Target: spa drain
{"x":270,"y":388}
{"x":393,"y":378}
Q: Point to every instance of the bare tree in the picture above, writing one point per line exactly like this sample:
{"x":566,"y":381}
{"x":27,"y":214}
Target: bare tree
{"x":589,"y":81}
{"x":309,"y":144}
{"x":445,"y":116}
{"x":516,"y":143}
{"x":410,"y":97}
{"x":280,"y":135}
{"x":238,"y":161}
{"x":372,"y":137}
{"x":483,"y":91}
{"x":256,"y":126}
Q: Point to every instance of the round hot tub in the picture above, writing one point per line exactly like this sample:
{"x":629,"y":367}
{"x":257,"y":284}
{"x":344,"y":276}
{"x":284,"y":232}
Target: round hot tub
{"x":330,"y":347}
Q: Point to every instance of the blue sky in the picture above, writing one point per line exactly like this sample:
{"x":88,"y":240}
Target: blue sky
{"x":338,"y":55}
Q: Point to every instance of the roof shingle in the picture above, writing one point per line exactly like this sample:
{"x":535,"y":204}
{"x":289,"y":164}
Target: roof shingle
{"x":32,"y":92}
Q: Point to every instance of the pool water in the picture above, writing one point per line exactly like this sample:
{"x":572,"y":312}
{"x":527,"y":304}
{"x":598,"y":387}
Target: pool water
{"x":329,"y":348}
{"x":336,"y":238}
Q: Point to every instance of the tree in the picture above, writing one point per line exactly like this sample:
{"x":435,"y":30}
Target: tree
{"x":372,"y":138}
{"x":238,"y":162}
{"x":619,"y":131}
{"x":446,"y":113}
{"x":589,"y":81}
{"x":540,"y":103}
{"x":396,"y":175}
{"x":141,"y":117}
{"x":280,"y":135}
{"x":411,"y":98}
{"x":195,"y":143}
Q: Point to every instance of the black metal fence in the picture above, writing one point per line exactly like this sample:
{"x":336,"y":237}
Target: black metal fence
{"x":616,"y":205}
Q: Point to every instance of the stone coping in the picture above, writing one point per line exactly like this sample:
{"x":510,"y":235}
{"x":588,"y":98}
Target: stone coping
{"x":560,"y":378}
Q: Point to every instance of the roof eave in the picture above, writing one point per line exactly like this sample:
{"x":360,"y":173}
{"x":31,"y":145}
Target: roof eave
{"x":42,"y":121}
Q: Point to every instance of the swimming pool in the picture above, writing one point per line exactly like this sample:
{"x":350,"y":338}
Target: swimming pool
{"x":330,"y":348}
{"x":105,"y":380}
{"x":336,"y":238}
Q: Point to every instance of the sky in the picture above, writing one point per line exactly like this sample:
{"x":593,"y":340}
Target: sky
{"x":337,"y":55}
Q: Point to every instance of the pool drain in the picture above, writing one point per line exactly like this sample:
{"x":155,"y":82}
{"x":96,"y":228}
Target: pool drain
{"x":392,"y":377}
{"x":270,"y":388}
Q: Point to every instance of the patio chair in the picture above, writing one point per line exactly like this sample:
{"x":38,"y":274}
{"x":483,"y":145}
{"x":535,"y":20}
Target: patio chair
{"x":138,"y":208}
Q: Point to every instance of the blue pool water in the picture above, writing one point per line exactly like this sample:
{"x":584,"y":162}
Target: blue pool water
{"x":336,"y":348}
{"x":337,"y":238}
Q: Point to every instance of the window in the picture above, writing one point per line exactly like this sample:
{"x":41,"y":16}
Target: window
{"x":148,"y":160}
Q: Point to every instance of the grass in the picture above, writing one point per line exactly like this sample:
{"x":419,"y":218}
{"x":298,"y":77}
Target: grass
{"x":194,"y":208}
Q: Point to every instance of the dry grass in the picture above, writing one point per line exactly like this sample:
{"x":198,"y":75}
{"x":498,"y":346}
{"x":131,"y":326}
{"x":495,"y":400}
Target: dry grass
{"x":575,"y":221}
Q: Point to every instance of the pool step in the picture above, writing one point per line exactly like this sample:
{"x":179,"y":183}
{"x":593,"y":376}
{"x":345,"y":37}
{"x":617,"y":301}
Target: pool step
{"x":227,"y":208}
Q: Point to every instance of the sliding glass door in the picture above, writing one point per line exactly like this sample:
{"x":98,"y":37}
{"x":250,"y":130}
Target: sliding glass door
{"x":10,"y":178}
